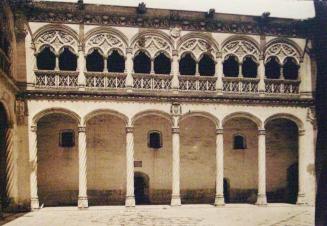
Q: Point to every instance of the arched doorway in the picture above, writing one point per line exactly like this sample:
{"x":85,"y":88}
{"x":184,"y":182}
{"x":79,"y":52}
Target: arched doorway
{"x":4,"y":124}
{"x":141,"y":188}
{"x":282,"y":159}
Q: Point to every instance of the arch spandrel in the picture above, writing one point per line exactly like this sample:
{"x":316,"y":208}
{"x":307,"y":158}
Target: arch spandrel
{"x":56,"y":37}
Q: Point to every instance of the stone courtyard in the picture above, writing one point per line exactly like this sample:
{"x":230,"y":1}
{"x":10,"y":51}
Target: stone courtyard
{"x":230,"y":215}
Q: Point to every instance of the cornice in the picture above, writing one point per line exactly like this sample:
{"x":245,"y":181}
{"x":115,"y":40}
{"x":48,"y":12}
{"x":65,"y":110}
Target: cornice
{"x":167,"y":97}
{"x":161,"y":18}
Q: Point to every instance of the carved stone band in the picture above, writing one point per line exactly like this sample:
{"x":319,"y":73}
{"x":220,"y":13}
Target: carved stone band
{"x":301,"y":132}
{"x":81,"y":129}
{"x":262,"y":132}
{"x":219,"y":131}
{"x":129,"y":129}
{"x":175,"y":130}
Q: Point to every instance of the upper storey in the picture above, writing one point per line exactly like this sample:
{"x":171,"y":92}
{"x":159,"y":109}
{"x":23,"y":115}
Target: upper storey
{"x":170,"y":59}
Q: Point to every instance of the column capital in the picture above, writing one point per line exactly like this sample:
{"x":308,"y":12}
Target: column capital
{"x":219,"y":131}
{"x":129,"y":129}
{"x":175,"y":52}
{"x":129,"y":50}
{"x":262,"y":132}
{"x":175,"y":130}
{"x":81,"y":48}
{"x":81,"y":129}
{"x":219,"y":55}
{"x":301,"y":132}
{"x":261,"y":57}
{"x":34,"y":128}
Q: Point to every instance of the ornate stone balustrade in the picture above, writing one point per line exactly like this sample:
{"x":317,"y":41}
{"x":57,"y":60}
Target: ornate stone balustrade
{"x":274,"y":86}
{"x":56,"y":79}
{"x":4,"y":62}
{"x":197,"y":83}
{"x":103,"y":80}
{"x":240,"y":85}
{"x":152,"y":81}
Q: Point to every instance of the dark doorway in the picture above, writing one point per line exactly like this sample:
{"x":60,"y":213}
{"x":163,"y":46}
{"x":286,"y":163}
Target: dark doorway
{"x":4,"y":200}
{"x":141,"y":189}
{"x":226,"y":191}
{"x":292,"y":183}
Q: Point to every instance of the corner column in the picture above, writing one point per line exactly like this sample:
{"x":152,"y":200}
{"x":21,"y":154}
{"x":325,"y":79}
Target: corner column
{"x":33,"y":165}
{"x":129,"y":68}
{"x":82,"y":192}
{"x":130,"y":198}
{"x":219,"y":199}
{"x":262,"y":198}
{"x":301,"y":199}
{"x":176,"y":198}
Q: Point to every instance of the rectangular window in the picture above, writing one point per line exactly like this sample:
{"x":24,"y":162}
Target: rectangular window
{"x":67,"y":138}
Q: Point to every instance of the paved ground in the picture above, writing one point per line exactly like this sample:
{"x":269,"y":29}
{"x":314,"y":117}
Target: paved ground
{"x":188,"y":215}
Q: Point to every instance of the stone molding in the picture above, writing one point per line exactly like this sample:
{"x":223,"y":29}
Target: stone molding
{"x":129,"y":129}
{"x":262,"y":132}
{"x":81,"y":129}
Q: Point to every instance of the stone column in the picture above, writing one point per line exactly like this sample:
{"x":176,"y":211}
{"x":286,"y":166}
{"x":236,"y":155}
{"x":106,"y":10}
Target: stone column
{"x":105,"y":63}
{"x":82,"y":193}
{"x":240,"y":73}
{"x":33,"y":165}
{"x":219,"y":199}
{"x":261,"y":75}
{"x":262,"y":198}
{"x":129,"y":68}
{"x":81,"y":67}
{"x":219,"y":73}
{"x":301,"y":199}
{"x":57,"y":63}
{"x":175,"y":70}
{"x":130,"y":199}
{"x":197,"y":73}
{"x":176,"y":199}
{"x":152,"y":66}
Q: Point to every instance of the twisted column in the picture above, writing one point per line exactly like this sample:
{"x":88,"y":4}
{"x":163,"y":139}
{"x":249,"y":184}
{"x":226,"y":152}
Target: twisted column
{"x":219,"y":199}
{"x":130,"y":199}
{"x":262,"y":198}
{"x":129,"y":68}
{"x":33,"y":165}
{"x":10,"y":160}
{"x":176,"y":199}
{"x":301,"y":199}
{"x":82,"y":191}
{"x":175,"y":70}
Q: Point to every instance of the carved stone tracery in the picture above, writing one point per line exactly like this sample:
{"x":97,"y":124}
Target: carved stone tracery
{"x":197,"y":46}
{"x":240,"y":48}
{"x":152,"y":44}
{"x":281,"y":51}
{"x":105,"y":42}
{"x":56,"y":39}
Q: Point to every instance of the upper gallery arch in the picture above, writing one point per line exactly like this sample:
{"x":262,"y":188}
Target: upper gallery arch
{"x":282,"y":48}
{"x":105,"y":39}
{"x":56,"y":37}
{"x":154,"y":42}
{"x":240,"y":47}
{"x":197,"y":44}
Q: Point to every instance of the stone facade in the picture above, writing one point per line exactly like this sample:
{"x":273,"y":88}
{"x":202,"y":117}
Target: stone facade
{"x":112,"y":113}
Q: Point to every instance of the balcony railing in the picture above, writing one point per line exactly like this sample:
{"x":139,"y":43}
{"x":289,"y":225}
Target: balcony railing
{"x":197,"y":83}
{"x":152,"y":81}
{"x":56,"y":79}
{"x":274,"y":86}
{"x":240,"y":85}
{"x":105,"y":80}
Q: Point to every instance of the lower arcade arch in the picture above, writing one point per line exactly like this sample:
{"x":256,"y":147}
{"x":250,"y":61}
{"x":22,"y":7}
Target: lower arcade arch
{"x":197,"y":159}
{"x":240,"y":164}
{"x":57,"y":145}
{"x":154,"y":162}
{"x":4,"y":125}
{"x":282,"y":160}
{"x":106,"y":159}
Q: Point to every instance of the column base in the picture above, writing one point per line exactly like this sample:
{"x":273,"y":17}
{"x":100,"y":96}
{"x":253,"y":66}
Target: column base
{"x":175,"y":200}
{"x":301,"y":199}
{"x":219,"y":200}
{"x":83,"y":202}
{"x":262,"y":200}
{"x":35,"y":204}
{"x":130,"y":201}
